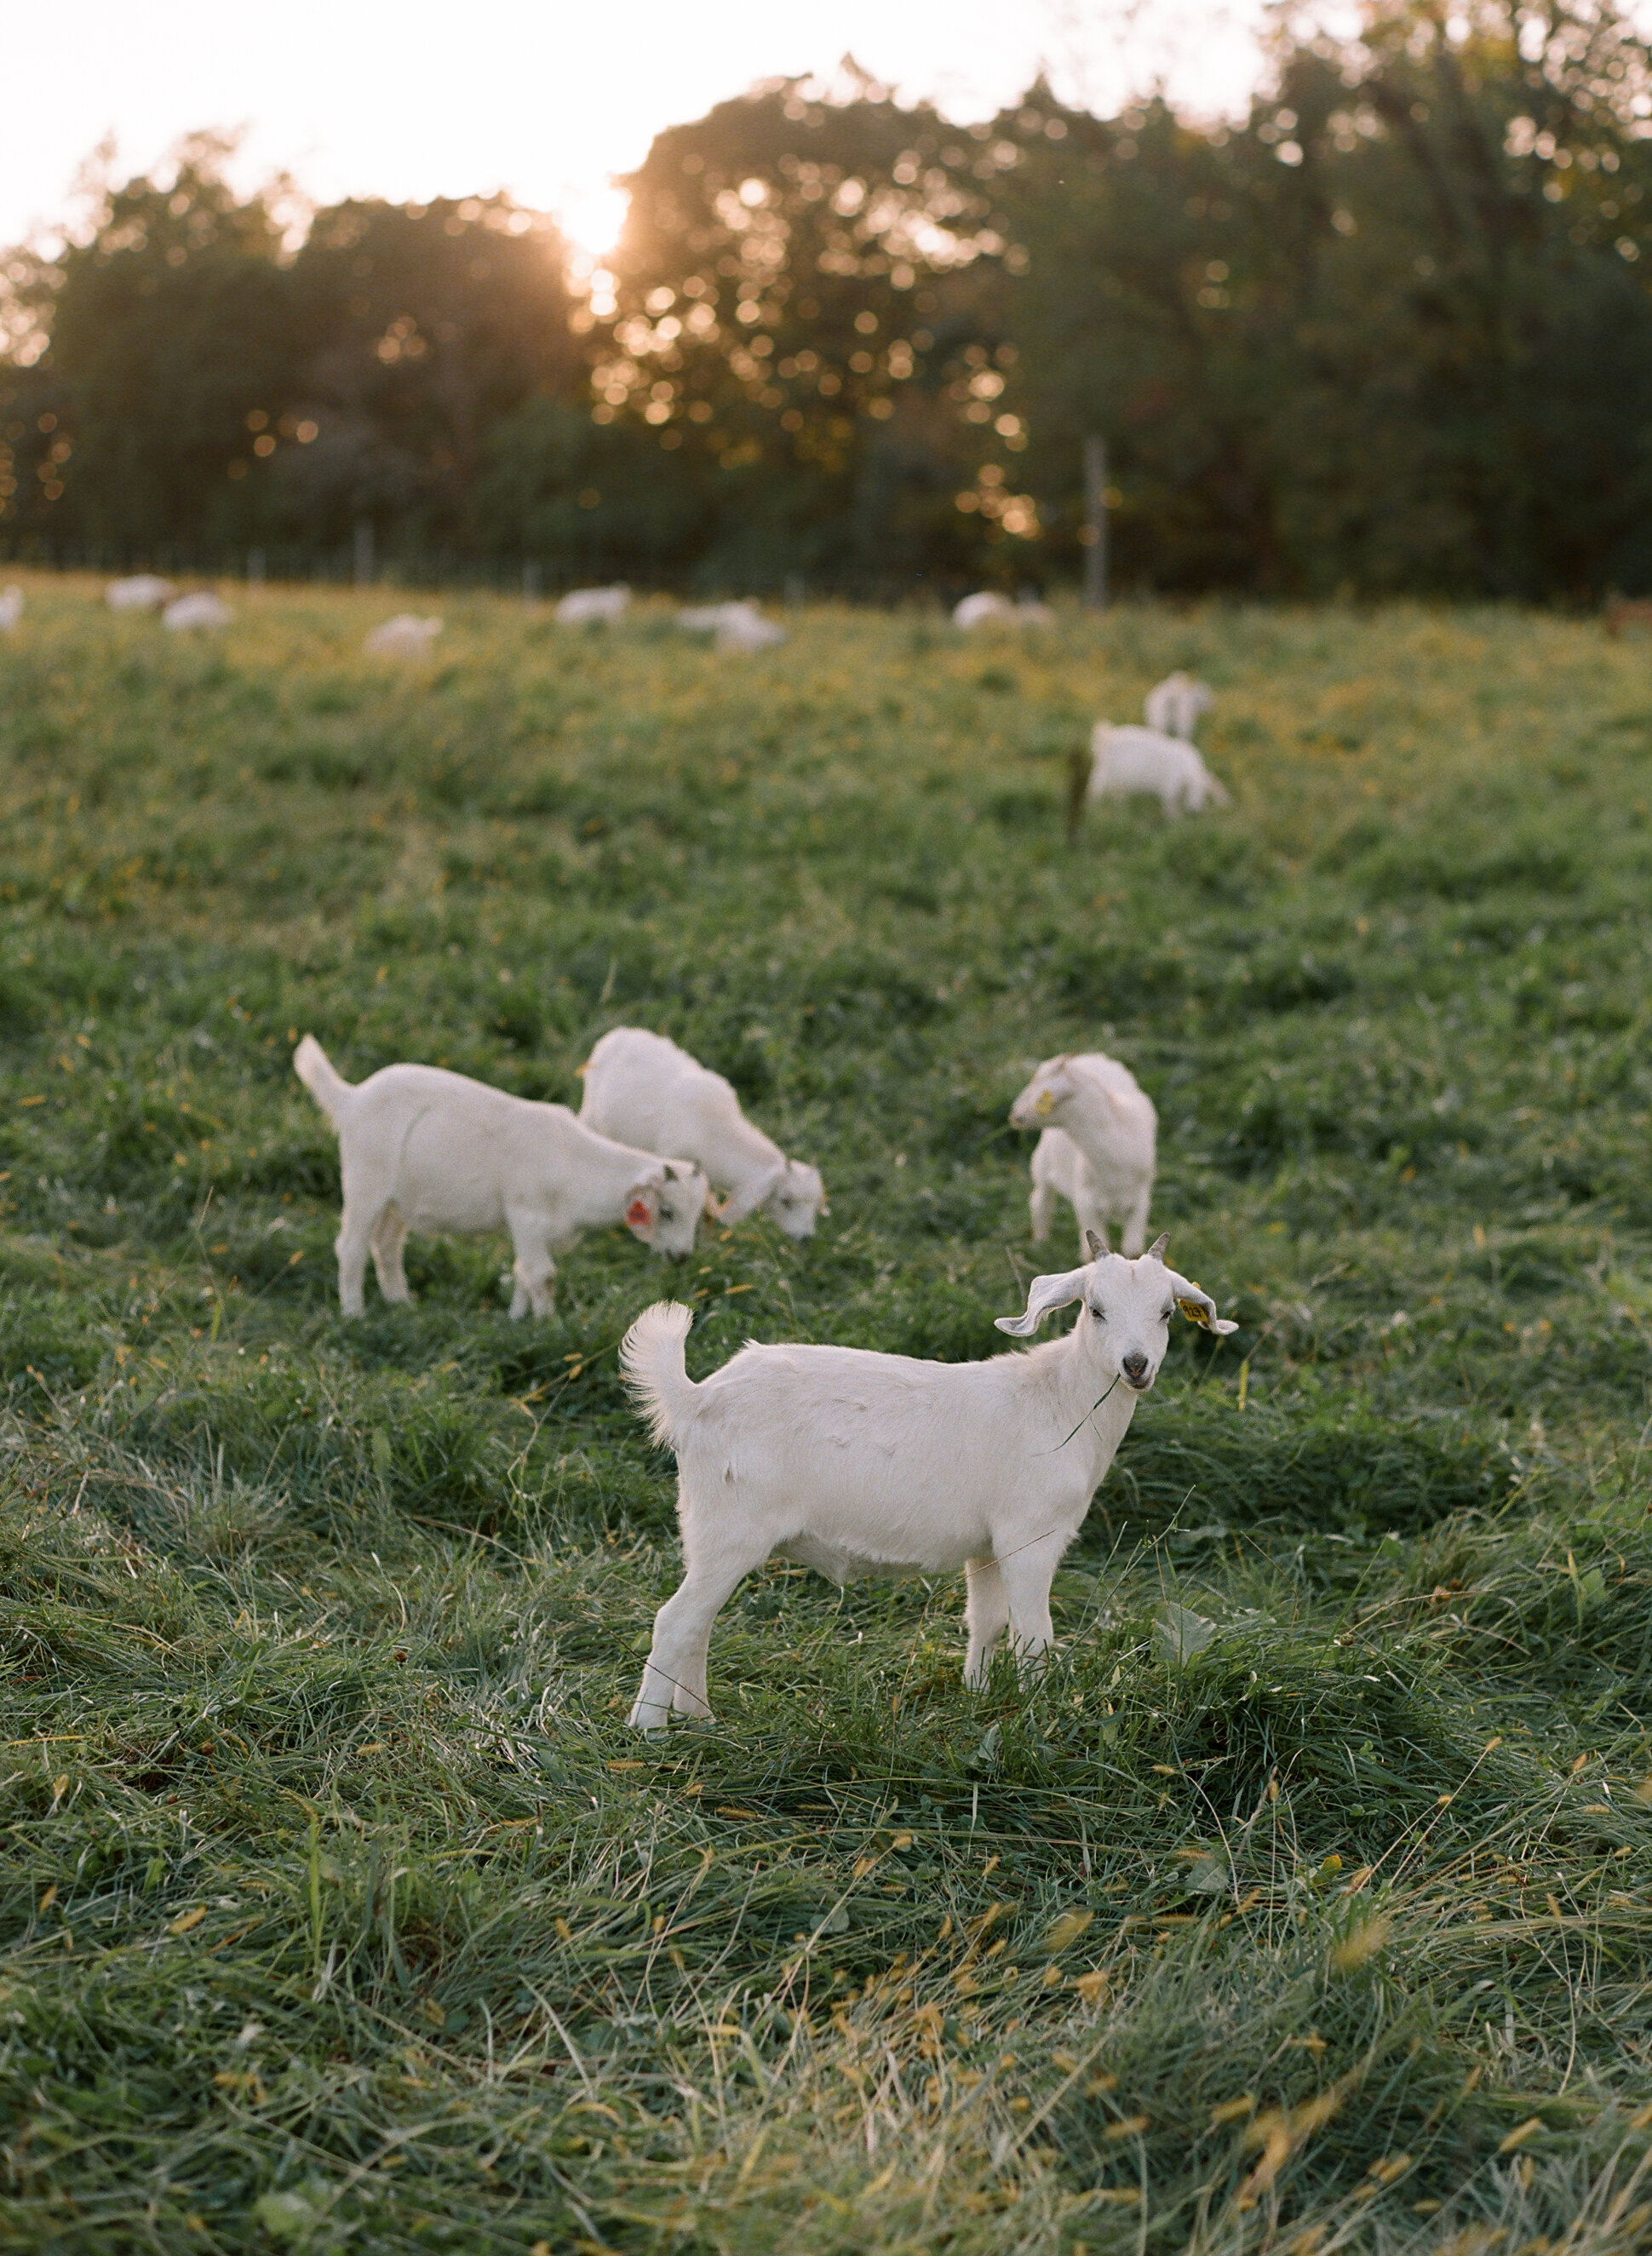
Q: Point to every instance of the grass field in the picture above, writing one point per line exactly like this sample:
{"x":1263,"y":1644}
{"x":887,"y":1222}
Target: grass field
{"x":1302,"y":1905}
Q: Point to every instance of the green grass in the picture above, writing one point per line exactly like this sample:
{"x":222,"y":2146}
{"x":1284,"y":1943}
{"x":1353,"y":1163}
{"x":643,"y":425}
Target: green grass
{"x":340,"y":1909}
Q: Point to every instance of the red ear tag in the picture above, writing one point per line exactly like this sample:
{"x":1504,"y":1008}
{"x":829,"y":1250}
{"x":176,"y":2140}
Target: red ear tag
{"x":637,"y":1213}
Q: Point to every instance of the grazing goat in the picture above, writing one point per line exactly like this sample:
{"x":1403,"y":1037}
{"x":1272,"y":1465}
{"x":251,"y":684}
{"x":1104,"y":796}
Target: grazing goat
{"x":585,"y":607}
{"x":736,"y":626}
{"x":420,"y":1148}
{"x":1174,"y":706}
{"x":990,"y":609}
{"x":406,"y":636}
{"x":856,"y":1464}
{"x":1097,"y":1149}
{"x":11,"y":608}
{"x":142,"y":592}
{"x":645,"y":1090}
{"x":1126,"y":760}
{"x":199,"y":609}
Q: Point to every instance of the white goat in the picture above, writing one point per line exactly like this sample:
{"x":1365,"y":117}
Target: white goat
{"x":736,"y":626}
{"x":990,"y":609}
{"x":1126,"y":760}
{"x":199,"y":609}
{"x":643,"y":1089}
{"x":420,"y":1148}
{"x":11,"y":608}
{"x":406,"y":636}
{"x":142,"y":592}
{"x":986,"y":609}
{"x":1173,"y":706}
{"x":594,"y":607}
{"x":1098,"y":1148}
{"x":857,"y":1463}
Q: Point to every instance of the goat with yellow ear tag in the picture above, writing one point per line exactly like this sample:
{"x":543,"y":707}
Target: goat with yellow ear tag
{"x":1098,"y":1148}
{"x":860,"y":1464}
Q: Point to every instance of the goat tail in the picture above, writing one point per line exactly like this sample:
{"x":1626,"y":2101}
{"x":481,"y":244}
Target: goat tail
{"x":315,"y":1069}
{"x":651,"y":1361}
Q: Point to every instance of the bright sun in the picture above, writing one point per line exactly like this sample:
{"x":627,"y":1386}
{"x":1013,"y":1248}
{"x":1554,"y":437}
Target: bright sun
{"x":591,"y":218}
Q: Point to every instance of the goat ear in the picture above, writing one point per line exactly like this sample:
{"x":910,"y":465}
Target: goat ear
{"x":1043,"y":1294}
{"x":1098,"y":1252}
{"x":1158,"y":1248}
{"x":1199,"y":1307}
{"x":642,"y":1210}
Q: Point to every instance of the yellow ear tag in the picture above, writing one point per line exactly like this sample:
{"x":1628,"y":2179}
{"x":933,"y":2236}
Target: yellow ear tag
{"x":1044,"y":1104}
{"x":1195,"y":1311}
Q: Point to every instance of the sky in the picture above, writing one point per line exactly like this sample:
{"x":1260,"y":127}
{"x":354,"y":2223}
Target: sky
{"x":547,"y":99}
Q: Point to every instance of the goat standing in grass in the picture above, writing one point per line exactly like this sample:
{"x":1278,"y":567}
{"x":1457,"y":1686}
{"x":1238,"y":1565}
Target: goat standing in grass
{"x":736,"y":626}
{"x":1098,"y":1149}
{"x":856,"y":1464}
{"x":420,"y":1148}
{"x":144,"y":591}
{"x":196,"y":611}
{"x":1127,"y":761}
{"x":1172,"y":707}
{"x":406,"y":636}
{"x":594,"y":607}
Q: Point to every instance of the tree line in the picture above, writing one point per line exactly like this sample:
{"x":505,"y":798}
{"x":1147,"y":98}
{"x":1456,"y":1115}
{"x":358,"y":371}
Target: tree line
{"x":1392,"y":331}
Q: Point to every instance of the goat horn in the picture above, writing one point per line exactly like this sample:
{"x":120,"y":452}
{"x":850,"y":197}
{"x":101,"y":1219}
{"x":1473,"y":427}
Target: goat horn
{"x":1098,"y":1252}
{"x":1156,"y":1251}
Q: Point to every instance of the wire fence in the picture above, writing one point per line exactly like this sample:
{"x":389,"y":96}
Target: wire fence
{"x":360,"y":563}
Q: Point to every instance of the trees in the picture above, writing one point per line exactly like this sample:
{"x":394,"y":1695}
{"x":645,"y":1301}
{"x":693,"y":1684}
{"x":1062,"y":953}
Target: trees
{"x":1392,"y":330}
{"x":795,"y":274}
{"x":167,"y":325}
{"x":208,"y":384}
{"x":424,"y":326}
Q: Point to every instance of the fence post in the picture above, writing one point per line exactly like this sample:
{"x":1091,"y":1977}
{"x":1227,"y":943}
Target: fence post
{"x":1095,"y":535}
{"x":363,"y":552}
{"x":533,"y":581}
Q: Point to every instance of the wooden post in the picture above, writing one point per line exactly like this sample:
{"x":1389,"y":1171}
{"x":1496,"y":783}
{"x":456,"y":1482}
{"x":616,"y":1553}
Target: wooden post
{"x":1095,"y":528}
{"x":364,"y":556}
{"x":1078,"y":789}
